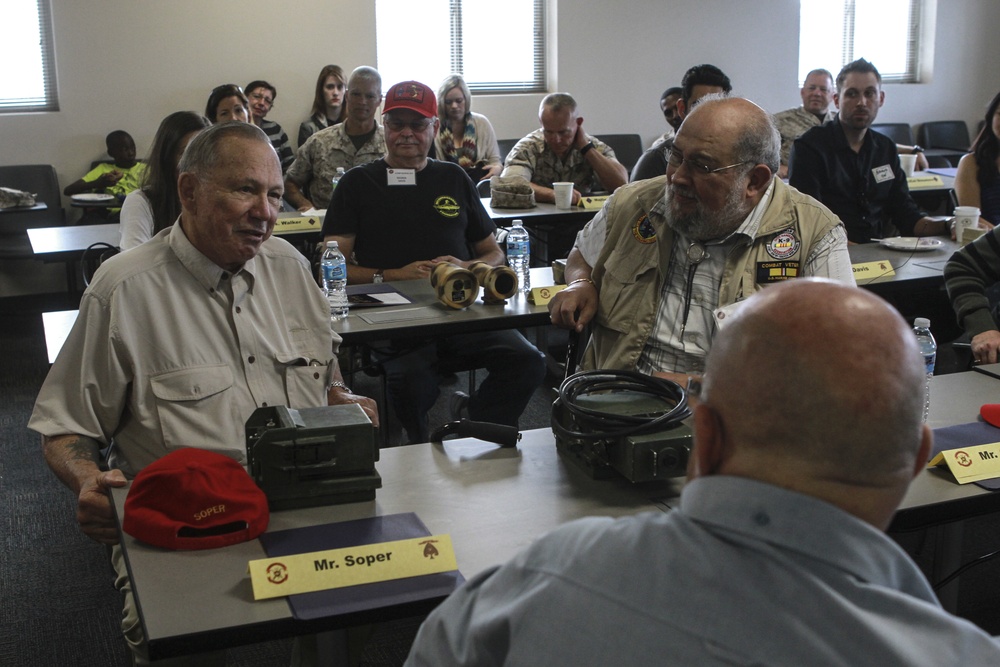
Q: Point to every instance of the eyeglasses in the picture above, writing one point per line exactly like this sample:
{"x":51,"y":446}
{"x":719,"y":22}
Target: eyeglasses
{"x":260,"y":97}
{"x":415,"y":126}
{"x":675,"y":159}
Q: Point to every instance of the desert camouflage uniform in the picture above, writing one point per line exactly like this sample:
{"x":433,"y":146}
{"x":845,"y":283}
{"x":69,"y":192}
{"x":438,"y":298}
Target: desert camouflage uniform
{"x":318,"y":158}
{"x":532,"y":159}
{"x":793,"y":123}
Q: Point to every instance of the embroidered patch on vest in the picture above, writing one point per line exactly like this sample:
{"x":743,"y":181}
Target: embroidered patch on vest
{"x":447,"y":206}
{"x":643,"y":230}
{"x":783,"y":246}
{"x":774,"y":272}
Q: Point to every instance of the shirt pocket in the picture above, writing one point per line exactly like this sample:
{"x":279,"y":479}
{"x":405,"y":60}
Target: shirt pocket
{"x":622,"y":293}
{"x":194,"y":405}
{"x":306,"y":380}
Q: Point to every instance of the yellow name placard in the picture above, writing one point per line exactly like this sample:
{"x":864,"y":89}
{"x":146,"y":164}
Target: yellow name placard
{"x":591,"y":203}
{"x":540,"y":296}
{"x":363,"y":564}
{"x":925,"y":181}
{"x":298,"y":223}
{"x":970,"y":464}
{"x":866,"y":271}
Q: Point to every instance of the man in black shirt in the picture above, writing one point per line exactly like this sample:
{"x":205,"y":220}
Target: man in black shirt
{"x":396,"y":219}
{"x":855,"y":172}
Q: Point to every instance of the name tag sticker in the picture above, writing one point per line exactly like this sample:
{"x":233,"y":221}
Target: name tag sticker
{"x":869,"y":271}
{"x":883,"y":173}
{"x":298,"y":223}
{"x":401,"y":176}
{"x":540,"y":296}
{"x":351,"y":566}
{"x":970,"y":464}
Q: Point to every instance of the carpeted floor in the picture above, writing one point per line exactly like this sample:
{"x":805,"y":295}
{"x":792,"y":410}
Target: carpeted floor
{"x":58,"y":605}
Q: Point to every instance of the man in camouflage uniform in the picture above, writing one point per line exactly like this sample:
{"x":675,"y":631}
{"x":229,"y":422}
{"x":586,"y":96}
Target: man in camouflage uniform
{"x":817,"y":94}
{"x":561,"y":151}
{"x":358,"y":140}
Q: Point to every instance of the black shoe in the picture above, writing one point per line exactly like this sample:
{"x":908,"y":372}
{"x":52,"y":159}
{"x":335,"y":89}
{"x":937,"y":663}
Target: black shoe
{"x":458,"y":406}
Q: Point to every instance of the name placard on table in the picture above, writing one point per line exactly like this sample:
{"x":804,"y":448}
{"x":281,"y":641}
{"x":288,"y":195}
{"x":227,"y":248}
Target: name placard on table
{"x":970,"y":464}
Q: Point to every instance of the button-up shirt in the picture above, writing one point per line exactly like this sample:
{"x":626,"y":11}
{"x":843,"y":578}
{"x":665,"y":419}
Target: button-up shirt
{"x":532,"y":159}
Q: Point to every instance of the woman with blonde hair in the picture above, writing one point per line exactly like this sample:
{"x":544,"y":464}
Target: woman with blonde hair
{"x":464,"y":137}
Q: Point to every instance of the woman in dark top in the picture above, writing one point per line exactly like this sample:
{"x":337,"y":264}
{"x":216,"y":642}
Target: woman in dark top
{"x":977,"y":182}
{"x":328,"y":104}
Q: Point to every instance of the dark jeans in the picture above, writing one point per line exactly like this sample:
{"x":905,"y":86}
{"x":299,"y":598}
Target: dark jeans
{"x":413,"y":371}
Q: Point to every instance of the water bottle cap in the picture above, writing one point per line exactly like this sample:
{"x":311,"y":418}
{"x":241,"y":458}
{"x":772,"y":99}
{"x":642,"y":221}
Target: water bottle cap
{"x":332,"y":244}
{"x":922,"y":322}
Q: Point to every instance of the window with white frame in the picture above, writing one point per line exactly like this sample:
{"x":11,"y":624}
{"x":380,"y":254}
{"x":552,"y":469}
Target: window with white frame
{"x":498,"y":47}
{"x":887,"y":33}
{"x":27,"y":77}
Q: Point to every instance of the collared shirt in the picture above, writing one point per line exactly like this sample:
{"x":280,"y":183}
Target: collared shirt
{"x":532,"y":159}
{"x":867,"y":190}
{"x":744,"y":573}
{"x":674,"y":345}
{"x":317,"y":160}
{"x":170,"y":350}
{"x":793,"y":123}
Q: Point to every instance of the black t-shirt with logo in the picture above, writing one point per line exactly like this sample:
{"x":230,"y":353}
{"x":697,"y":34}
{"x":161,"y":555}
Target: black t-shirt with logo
{"x":394,"y":225}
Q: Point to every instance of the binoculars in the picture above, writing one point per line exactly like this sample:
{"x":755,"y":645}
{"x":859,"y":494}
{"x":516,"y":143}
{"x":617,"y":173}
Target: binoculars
{"x":457,"y":287}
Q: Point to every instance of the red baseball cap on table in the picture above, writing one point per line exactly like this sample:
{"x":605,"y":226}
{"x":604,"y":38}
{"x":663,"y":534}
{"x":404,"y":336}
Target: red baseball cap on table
{"x":194,"y":499}
{"x":411,"y":95}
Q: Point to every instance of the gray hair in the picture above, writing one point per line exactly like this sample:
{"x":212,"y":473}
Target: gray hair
{"x":365,"y":74}
{"x":557,"y":102}
{"x":201,"y":156}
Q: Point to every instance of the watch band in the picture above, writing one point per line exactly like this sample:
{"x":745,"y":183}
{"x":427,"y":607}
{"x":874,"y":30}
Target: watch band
{"x":379,"y":276}
{"x":587,"y":147}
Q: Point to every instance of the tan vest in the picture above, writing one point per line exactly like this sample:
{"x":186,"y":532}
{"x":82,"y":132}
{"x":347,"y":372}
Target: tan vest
{"x":628,"y":272}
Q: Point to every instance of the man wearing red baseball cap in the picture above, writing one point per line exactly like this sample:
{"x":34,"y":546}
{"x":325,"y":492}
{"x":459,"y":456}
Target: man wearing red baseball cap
{"x":400,"y":216}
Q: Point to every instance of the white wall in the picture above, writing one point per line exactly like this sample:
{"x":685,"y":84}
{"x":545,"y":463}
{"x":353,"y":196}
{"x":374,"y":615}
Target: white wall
{"x":128,"y":63}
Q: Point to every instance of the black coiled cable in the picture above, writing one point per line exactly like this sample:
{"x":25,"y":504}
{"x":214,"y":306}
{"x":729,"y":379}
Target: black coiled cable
{"x":599,"y":425}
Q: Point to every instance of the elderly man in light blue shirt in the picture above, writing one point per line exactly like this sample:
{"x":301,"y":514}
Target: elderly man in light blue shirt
{"x":805,"y":444}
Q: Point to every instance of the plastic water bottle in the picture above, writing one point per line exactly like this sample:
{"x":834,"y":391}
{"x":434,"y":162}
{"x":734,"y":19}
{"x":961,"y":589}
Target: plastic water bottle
{"x":519,"y":255}
{"x":928,"y":348}
{"x":336,"y":179}
{"x":333,"y":279}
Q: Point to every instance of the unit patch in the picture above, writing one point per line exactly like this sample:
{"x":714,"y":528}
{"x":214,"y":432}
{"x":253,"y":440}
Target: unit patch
{"x":783,"y":245}
{"x":773,"y":272}
{"x":643,"y":230}
{"x":447,"y":206}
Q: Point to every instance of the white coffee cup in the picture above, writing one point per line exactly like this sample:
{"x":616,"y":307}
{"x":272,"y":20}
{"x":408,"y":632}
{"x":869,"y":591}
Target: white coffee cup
{"x":564,"y":194}
{"x":966,"y":217}
{"x":908,"y":163}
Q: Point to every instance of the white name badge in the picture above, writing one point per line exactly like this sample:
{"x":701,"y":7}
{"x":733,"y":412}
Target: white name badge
{"x":883,"y":173}
{"x":402,"y":176}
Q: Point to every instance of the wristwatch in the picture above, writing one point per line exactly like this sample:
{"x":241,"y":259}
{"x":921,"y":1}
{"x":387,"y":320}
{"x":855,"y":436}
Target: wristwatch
{"x":916,"y":149}
{"x":379,"y":276}
{"x":586,"y":147}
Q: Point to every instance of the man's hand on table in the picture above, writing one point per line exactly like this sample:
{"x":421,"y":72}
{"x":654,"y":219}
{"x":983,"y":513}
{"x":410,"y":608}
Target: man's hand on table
{"x":93,"y":509}
{"x":985,"y":346}
{"x":420,"y":270}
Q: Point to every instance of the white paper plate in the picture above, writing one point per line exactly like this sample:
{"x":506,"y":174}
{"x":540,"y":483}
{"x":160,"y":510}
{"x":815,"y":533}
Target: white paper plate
{"x":911,"y":243}
{"x":94,"y":197}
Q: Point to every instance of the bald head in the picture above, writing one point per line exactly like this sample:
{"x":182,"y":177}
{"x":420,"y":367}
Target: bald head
{"x":818,"y":387}
{"x":747,"y":127}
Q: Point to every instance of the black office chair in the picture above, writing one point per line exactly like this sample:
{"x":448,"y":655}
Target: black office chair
{"x":900,"y":133}
{"x":627,"y":147}
{"x":505,"y":146}
{"x":947,"y":138}
{"x":41,"y":181}
{"x":93,"y":257}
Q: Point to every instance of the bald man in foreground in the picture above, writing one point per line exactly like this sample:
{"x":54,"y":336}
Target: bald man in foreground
{"x":777,"y":554}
